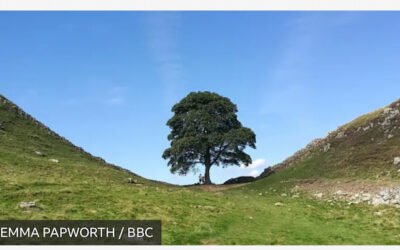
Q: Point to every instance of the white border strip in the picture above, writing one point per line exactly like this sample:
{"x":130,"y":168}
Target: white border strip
{"x":199,"y":5}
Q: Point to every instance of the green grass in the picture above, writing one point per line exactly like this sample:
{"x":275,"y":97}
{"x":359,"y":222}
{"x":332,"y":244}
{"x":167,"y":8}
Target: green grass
{"x":83,"y":187}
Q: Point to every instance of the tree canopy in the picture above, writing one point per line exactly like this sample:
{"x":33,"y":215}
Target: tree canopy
{"x":205,"y":130}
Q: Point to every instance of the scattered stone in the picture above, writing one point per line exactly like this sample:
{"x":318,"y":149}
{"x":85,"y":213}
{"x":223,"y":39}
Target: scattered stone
{"x":386,"y":110}
{"x":54,"y":160}
{"x":39,"y":153}
{"x":319,"y":195}
{"x":327,"y":147}
{"x":389,"y":114}
{"x":284,"y":194}
{"x":278,"y":204}
{"x":340,"y":135}
{"x":133,"y":181}
{"x":366,"y":128}
{"x":340,"y":192}
{"x":379,"y":213}
{"x":27,"y":204}
{"x":208,"y":207}
{"x":295,"y":196}
{"x":396,"y":160}
{"x":390,"y":136}
{"x":260,"y":194}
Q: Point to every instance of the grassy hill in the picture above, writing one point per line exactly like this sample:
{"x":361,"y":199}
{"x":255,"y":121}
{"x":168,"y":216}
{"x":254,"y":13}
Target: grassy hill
{"x":364,"y":148}
{"x":65,"y":182}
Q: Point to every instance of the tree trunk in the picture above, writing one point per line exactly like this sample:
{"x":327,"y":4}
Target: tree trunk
{"x":207,"y":164}
{"x":207,"y":179}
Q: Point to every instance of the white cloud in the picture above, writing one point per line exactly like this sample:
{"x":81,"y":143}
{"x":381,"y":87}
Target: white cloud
{"x":254,"y":173}
{"x":256,"y":164}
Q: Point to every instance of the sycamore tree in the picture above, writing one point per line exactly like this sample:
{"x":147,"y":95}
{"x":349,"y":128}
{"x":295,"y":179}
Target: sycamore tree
{"x":205,"y":130}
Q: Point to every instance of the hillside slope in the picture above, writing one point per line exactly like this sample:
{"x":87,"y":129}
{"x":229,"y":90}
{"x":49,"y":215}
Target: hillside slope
{"x":29,"y":146}
{"x":364,"y":148}
{"x":43,"y":176}
{"x":364,"y":153}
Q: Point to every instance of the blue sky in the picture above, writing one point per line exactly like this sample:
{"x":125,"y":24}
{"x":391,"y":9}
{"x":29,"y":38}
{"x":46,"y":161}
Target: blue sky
{"x":107,"y":80}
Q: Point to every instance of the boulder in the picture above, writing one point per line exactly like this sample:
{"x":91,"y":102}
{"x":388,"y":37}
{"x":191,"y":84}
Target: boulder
{"x":340,"y":135}
{"x":396,"y":160}
{"x":240,"y":179}
{"x":340,"y":193}
{"x":27,"y":204}
{"x":38,"y":153}
{"x":318,"y":195}
{"x":327,"y":147}
{"x":54,"y":160}
{"x":133,"y":181}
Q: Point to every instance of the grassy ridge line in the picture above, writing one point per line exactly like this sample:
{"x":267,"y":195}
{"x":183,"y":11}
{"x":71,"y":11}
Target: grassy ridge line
{"x":15,"y":119}
{"x":362,"y":148}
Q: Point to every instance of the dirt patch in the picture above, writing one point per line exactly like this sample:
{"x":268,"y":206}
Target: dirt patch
{"x":216,"y":188}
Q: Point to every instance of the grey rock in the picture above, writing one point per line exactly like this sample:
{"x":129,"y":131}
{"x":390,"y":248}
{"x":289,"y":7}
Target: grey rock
{"x":340,"y":135}
{"x":133,"y":181}
{"x":340,"y":193}
{"x":319,"y":195}
{"x":27,"y":204}
{"x":396,"y":160}
{"x":327,"y":147}
{"x":39,"y":153}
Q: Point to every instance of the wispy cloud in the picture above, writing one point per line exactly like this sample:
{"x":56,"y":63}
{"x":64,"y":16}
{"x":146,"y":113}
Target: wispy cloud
{"x":288,"y":84}
{"x":163,"y":42}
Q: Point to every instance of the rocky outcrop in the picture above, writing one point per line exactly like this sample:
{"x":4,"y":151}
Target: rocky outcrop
{"x":267,"y":172}
{"x":381,"y":125}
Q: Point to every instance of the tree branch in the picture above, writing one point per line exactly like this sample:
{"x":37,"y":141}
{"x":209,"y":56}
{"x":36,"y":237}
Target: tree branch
{"x":219,"y":154}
